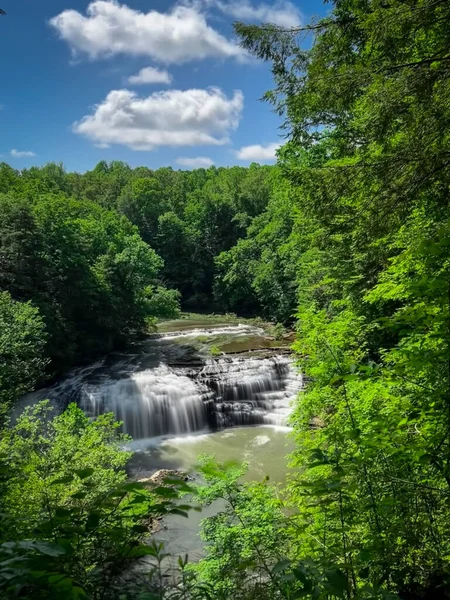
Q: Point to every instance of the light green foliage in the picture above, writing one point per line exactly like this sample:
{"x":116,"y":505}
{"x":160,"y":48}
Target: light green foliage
{"x":22,"y":344}
{"x":39,"y":450}
{"x":72,"y":526}
{"x":252,"y":544}
{"x":246,"y":538}
{"x":162,"y":302}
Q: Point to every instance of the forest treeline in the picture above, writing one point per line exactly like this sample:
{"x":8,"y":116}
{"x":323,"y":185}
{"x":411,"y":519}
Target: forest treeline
{"x":350,"y":232}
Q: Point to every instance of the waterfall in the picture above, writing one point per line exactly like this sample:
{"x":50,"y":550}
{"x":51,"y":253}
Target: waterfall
{"x":224,"y":393}
{"x":251,"y":391}
{"x":168,"y":387}
{"x":151,"y":403}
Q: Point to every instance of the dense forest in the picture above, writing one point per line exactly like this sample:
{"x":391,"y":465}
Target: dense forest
{"x":347,"y":238}
{"x":100,"y":254}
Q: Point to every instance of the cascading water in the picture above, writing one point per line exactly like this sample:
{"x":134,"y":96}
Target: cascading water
{"x":251,"y":391}
{"x":224,"y":393}
{"x":168,"y":387}
{"x":151,"y":403}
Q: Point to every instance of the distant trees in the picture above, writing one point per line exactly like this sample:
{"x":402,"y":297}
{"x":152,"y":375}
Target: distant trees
{"x":187,"y":217}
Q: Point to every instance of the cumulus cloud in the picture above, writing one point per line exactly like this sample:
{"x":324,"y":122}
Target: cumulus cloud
{"x":258,"y":152}
{"x":281,"y":12}
{"x":110,"y":28}
{"x":195,"y":163}
{"x":21,"y":153}
{"x":150,"y":75}
{"x":171,"y":118}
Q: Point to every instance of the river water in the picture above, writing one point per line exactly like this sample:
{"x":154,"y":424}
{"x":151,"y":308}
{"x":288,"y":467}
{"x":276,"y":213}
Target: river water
{"x":196,"y":387}
{"x":191,"y":377}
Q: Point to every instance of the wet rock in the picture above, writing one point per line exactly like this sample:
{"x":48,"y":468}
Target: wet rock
{"x":158,"y":477}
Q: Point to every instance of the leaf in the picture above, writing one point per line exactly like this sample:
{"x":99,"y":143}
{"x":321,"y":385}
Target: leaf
{"x":79,"y":495}
{"x":66,"y":479}
{"x":140,"y":529}
{"x":132,"y":486}
{"x":47,"y":548}
{"x":165,"y":492}
{"x":425,"y":459}
{"x":364,"y":573}
{"x":300,"y":594}
{"x":83,"y":473}
{"x":62,"y":512}
{"x":176,"y":511}
{"x":93,"y":521}
{"x":179,"y":484}
{"x":141,"y":550}
{"x":281,"y":565}
{"x":338,"y":581}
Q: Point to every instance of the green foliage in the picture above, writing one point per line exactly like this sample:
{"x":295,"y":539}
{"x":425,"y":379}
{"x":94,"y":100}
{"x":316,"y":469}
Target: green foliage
{"x":39,"y":451}
{"x":277,"y":331}
{"x":245,"y":539}
{"x":259,"y":273}
{"x":367,"y":115}
{"x":163,"y":303}
{"x":85,"y":268}
{"x":253,"y":546}
{"x":22,"y":344}
{"x":187,"y":217}
{"x":72,"y":525}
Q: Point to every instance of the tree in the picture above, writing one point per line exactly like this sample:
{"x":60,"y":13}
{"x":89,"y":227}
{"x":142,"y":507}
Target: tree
{"x":22,"y":350}
{"x":367,"y":110}
{"x":71,"y":524}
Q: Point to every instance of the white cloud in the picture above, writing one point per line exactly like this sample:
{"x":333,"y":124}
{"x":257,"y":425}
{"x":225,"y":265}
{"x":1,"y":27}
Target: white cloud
{"x":110,"y":28}
{"x":258,"y":152}
{"x":172,"y":118}
{"x":195,"y":163}
{"x":281,"y":12}
{"x":21,"y":153}
{"x":150,"y":75}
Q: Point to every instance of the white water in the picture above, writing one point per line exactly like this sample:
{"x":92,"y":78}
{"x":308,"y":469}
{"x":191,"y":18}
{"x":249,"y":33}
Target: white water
{"x":168,"y":387}
{"x":235,"y":330}
{"x":224,"y":393}
{"x":151,"y":403}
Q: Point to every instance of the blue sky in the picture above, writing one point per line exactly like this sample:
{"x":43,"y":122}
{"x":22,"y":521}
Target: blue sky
{"x":149,"y":82}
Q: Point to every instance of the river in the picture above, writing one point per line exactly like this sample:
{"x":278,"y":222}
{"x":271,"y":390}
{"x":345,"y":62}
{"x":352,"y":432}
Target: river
{"x":197,"y":386}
